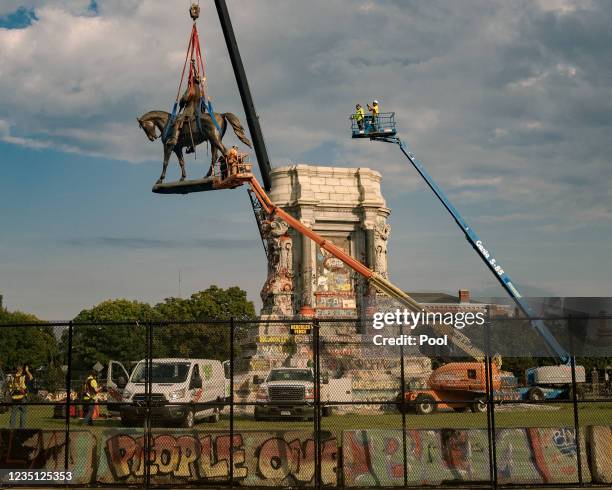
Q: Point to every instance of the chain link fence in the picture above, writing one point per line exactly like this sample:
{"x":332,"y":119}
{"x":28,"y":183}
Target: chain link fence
{"x":301,"y":403}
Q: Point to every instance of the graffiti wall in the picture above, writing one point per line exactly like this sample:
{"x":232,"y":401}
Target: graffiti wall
{"x":375,"y":457}
{"x":46,"y":449}
{"x":371,"y":457}
{"x":259,"y":458}
{"x":538,"y":455}
{"x":600,"y":442}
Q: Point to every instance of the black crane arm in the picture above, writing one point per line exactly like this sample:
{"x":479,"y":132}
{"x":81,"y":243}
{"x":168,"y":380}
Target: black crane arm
{"x":259,"y":144}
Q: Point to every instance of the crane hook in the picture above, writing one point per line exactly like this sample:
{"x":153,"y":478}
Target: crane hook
{"x":194,"y":11}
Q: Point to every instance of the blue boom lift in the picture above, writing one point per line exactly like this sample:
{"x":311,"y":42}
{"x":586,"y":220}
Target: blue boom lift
{"x":384,"y":129}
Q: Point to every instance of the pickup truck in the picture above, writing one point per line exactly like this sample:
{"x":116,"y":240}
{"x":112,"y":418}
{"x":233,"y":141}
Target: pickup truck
{"x":290,"y":393}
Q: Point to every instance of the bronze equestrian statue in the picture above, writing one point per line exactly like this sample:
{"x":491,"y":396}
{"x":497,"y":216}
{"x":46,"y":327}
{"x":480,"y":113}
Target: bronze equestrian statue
{"x":154,"y":121}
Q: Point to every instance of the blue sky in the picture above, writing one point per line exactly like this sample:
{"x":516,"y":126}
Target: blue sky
{"x":509,"y":107}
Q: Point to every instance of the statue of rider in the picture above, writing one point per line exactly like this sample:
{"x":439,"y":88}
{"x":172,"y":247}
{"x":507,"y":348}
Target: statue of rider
{"x":187,"y":109}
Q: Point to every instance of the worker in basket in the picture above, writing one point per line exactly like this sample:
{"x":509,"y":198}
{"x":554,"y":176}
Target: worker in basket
{"x":228,"y":164}
{"x":188,"y":109}
{"x":375,"y":110}
{"x":359,"y":116}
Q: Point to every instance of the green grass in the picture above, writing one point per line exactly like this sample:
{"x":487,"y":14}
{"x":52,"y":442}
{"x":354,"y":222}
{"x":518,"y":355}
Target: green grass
{"x":41,"y":417}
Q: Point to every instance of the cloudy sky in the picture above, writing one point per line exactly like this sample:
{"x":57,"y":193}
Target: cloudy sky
{"x":508,"y":104}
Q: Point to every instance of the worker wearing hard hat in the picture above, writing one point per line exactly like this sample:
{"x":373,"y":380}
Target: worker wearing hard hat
{"x":375,"y":110}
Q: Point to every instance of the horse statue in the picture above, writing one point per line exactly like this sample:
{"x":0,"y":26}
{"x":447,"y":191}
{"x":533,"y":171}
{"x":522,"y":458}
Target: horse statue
{"x":190,"y":135}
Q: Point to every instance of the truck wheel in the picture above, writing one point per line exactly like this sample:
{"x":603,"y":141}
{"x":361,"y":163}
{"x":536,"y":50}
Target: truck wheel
{"x":327,"y":411}
{"x":127,"y":421}
{"x":189,"y":420}
{"x":425,"y":404}
{"x":535,"y":395}
{"x":214,"y":417}
{"x":479,"y":405}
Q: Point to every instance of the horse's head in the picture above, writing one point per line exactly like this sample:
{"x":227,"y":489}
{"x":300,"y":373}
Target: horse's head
{"x":148,"y":127}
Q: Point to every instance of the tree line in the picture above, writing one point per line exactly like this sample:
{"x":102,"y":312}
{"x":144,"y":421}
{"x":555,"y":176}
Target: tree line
{"x":43,"y":347}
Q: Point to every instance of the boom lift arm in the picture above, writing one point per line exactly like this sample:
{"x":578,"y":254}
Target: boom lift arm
{"x":485,"y":253}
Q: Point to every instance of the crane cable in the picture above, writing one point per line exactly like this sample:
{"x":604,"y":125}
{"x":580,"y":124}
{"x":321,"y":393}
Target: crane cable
{"x":196,"y":68}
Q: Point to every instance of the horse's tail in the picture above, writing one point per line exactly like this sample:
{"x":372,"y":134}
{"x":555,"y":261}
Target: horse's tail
{"x":237,"y":127}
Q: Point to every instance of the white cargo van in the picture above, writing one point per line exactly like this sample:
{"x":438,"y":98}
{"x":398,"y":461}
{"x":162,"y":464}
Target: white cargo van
{"x":182,"y":391}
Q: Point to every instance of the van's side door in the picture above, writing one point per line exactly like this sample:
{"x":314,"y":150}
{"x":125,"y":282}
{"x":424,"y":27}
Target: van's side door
{"x":228,"y":381}
{"x":195,"y":387}
{"x":116,"y":379}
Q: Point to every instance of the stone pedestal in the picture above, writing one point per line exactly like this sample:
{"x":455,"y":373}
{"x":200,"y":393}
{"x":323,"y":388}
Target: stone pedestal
{"x":346,"y":207}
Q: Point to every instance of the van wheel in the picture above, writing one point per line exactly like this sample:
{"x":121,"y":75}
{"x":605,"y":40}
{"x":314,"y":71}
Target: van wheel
{"x":189,"y":420}
{"x":215,"y":416}
{"x":327,"y":411}
{"x":535,"y":395}
{"x":479,"y":405}
{"x":127,"y":422}
{"x":425,"y":404}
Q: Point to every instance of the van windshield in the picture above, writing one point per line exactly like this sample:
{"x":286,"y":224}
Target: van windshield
{"x":161,"y":372}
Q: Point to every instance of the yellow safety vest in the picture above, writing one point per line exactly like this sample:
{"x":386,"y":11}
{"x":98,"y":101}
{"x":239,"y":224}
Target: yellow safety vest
{"x":359,"y":114}
{"x":89,"y":390}
{"x":375,"y":110}
{"x":18,"y":387}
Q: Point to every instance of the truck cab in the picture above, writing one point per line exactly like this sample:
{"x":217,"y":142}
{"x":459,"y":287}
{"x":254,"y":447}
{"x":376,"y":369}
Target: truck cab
{"x":290,"y":393}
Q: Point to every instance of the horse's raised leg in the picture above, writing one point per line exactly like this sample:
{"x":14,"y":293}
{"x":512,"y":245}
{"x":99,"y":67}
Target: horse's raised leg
{"x":167,"y":153}
{"x":179,"y":154}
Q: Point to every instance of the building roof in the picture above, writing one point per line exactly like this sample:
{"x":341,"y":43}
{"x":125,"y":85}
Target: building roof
{"x":436,"y":297}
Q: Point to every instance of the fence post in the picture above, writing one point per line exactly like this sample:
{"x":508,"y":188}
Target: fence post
{"x":575,"y":403}
{"x":492,"y":433}
{"x":68,"y":400}
{"x":231,"y":421}
{"x":148,"y":389}
{"x":402,"y":406}
{"x":317,"y":404}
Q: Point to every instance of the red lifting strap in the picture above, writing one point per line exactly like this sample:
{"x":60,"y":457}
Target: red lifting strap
{"x":194,"y":53}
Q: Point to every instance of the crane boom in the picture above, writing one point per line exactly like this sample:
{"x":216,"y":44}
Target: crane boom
{"x":485,"y":254}
{"x":252,"y":118}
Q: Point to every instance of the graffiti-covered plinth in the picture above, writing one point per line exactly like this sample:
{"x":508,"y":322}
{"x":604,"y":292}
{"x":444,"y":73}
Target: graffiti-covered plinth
{"x":346,"y":207}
